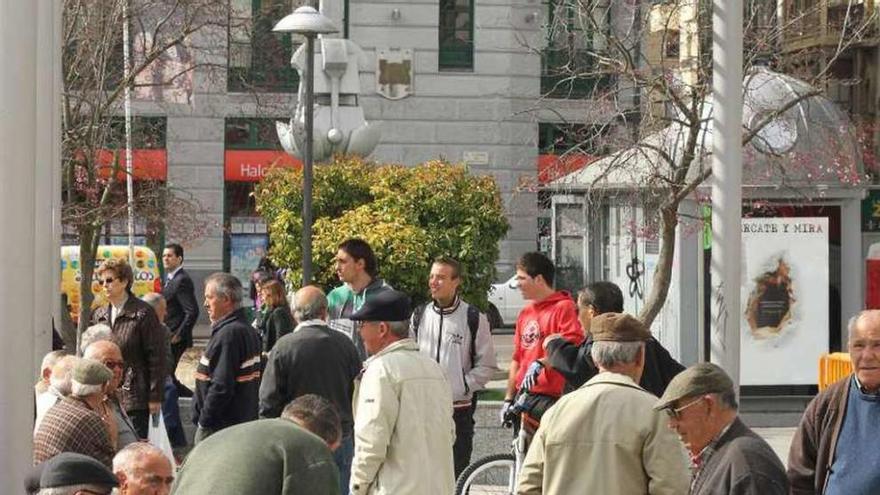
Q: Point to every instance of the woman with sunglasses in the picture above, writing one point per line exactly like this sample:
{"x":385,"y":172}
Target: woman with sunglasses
{"x":140,"y":337}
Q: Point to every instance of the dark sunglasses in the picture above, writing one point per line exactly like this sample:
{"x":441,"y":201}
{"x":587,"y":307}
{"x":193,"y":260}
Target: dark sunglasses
{"x":107,"y":280}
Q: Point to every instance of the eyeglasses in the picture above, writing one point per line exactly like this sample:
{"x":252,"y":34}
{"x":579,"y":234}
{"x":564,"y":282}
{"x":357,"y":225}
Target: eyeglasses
{"x":676,"y":413}
{"x":108,"y":280}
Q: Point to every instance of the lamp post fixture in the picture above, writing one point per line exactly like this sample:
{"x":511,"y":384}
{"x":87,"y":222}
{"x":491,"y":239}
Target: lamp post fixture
{"x":308,"y":22}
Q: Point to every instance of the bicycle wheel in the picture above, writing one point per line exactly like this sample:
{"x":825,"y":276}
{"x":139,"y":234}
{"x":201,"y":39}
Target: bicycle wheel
{"x":491,"y":475}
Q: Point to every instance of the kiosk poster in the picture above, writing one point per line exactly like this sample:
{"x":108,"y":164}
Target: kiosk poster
{"x":784,"y":299}
{"x":245,"y":253}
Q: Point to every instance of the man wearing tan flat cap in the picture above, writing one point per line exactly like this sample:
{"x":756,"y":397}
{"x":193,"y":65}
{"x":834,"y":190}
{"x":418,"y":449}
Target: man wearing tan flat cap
{"x":606,"y":437}
{"x":727,"y":457}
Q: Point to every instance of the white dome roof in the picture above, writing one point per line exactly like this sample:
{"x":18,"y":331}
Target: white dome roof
{"x":811,"y":143}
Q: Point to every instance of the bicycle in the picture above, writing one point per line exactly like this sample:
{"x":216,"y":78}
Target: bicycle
{"x":496,"y":474}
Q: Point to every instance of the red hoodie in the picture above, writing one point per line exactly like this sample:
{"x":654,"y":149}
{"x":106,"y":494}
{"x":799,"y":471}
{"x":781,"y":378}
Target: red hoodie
{"x":555,"y":314}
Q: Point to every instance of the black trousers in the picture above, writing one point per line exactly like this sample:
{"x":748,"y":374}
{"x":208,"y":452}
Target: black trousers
{"x":140,"y":419}
{"x":463,"y":417}
{"x":177,"y":349}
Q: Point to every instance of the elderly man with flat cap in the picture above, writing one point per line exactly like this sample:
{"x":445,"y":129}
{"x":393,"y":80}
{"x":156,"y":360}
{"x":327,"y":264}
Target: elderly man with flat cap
{"x":403,"y":410}
{"x":727,"y":457}
{"x":81,"y":422}
{"x":606,"y":437}
{"x":70,"y":473}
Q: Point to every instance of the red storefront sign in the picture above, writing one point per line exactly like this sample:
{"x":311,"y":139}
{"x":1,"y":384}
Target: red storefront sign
{"x":147,"y":164}
{"x":252,"y":165}
{"x":552,"y":167}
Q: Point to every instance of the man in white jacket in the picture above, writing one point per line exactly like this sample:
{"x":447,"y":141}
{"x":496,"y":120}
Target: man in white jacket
{"x":456,"y":335}
{"x":403,"y":410}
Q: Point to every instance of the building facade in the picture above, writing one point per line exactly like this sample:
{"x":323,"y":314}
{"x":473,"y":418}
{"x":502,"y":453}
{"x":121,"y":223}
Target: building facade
{"x":490,"y":84}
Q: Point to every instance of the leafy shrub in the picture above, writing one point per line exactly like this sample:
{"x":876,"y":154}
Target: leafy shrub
{"x":409,"y":215}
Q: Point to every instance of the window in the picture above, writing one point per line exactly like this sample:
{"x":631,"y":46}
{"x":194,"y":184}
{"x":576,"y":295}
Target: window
{"x":557,"y":139}
{"x":251,"y":134}
{"x":573,"y":38}
{"x":456,"y":35}
{"x":671,"y":44}
{"x":146,"y":133}
{"x":259,"y":60}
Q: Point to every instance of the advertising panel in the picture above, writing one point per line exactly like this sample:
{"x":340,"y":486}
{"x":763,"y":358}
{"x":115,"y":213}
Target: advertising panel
{"x":245,"y":251}
{"x":784,"y":299}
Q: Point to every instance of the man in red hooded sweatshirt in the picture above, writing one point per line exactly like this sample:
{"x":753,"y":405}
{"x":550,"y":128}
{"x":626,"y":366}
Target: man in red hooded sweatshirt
{"x":550,"y":312}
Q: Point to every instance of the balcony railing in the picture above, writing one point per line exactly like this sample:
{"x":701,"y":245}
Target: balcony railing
{"x":571,"y":74}
{"x":266,"y":73}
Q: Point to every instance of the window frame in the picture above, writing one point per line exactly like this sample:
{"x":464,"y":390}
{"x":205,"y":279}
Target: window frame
{"x":453,"y":55}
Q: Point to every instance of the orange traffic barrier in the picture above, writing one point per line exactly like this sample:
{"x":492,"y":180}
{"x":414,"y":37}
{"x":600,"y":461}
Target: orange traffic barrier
{"x":833,"y":367}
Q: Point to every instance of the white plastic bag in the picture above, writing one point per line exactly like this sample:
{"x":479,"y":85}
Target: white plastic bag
{"x":158,"y":437}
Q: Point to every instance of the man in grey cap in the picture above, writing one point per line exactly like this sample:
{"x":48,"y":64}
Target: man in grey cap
{"x":403,"y":425}
{"x":70,"y":473}
{"x":81,"y":422}
{"x":605,"y":437}
{"x":727,"y":457}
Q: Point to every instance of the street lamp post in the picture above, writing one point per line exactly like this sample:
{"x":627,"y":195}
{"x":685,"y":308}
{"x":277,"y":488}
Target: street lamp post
{"x":309,"y":23}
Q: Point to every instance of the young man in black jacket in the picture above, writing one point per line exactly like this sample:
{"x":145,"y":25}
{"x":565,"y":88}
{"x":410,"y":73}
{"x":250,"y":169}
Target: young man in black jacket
{"x":574,"y":361}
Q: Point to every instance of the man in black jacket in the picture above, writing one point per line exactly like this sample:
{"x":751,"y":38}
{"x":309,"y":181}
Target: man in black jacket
{"x":228,"y":374}
{"x":574,"y":361}
{"x":314,"y":359}
{"x":183,"y":310}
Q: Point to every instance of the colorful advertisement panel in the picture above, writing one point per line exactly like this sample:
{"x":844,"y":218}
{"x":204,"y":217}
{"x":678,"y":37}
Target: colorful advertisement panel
{"x":245,"y":251}
{"x":784,"y":298}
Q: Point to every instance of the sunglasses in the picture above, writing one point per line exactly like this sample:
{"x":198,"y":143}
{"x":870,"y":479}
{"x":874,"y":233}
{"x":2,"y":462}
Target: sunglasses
{"x":676,"y":413}
{"x":108,"y":280}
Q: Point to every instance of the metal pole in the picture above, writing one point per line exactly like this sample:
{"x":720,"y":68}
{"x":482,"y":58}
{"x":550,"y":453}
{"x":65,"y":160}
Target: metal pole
{"x":727,"y":78}
{"x":129,"y":167}
{"x":307,"y":163}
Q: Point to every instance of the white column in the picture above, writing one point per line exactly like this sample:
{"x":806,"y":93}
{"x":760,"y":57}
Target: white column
{"x":852,"y":264}
{"x":18,"y":125}
{"x":727,"y":77}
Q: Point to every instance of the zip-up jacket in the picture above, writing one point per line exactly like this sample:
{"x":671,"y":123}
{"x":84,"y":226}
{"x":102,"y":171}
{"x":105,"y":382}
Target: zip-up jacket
{"x":228,"y":375}
{"x":444,"y":336}
{"x":342,"y":302}
{"x":555,"y":314}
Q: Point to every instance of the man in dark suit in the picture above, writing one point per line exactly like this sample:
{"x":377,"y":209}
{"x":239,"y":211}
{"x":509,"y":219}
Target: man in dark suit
{"x":183,"y":310}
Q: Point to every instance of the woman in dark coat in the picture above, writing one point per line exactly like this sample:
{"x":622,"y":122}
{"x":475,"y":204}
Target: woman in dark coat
{"x":276,"y":320}
{"x":141,"y":338}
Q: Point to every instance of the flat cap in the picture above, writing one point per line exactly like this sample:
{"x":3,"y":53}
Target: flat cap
{"x":618,"y":327}
{"x":91,"y":372}
{"x":70,"y":468}
{"x":699,"y":379}
{"x":390,"y":305}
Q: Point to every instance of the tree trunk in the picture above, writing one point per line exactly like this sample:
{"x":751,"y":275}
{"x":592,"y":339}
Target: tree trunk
{"x":88,"y":250}
{"x":663,"y":274}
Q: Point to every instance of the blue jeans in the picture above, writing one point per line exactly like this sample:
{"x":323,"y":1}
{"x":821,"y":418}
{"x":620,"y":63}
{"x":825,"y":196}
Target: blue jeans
{"x":343,"y":456}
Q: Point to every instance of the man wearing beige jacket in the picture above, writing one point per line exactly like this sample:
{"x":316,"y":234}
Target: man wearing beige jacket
{"x":403,"y":429}
{"x":606,"y":437}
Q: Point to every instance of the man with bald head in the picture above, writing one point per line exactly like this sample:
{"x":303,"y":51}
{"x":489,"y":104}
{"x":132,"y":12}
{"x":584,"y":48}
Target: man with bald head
{"x":834,"y":450}
{"x":108,"y":354}
{"x":313,"y":359}
{"x":143,"y":469}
